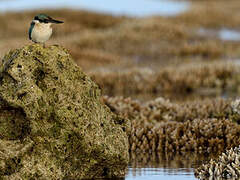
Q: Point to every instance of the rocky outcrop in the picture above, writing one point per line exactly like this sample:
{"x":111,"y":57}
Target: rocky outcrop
{"x":52,"y":122}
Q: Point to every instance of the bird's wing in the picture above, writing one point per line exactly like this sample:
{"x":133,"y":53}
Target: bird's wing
{"x":30,"y":30}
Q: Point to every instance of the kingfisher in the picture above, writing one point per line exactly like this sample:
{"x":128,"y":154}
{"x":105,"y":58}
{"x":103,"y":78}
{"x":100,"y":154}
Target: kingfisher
{"x":40,"y":29}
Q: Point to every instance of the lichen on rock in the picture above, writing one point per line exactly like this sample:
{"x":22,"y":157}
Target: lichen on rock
{"x":52,"y":122}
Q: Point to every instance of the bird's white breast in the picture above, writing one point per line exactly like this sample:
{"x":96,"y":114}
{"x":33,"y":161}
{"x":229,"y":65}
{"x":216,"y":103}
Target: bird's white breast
{"x":41,"y":32}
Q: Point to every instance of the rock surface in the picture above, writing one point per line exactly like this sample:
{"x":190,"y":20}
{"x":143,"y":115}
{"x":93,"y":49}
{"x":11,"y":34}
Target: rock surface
{"x":52,"y":122}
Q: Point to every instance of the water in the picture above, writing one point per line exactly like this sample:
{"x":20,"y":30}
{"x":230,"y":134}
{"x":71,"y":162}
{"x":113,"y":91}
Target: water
{"x":137,"y":8}
{"x":229,"y":35}
{"x":159,"y":173}
{"x":167,"y":166}
{"x":223,"y":34}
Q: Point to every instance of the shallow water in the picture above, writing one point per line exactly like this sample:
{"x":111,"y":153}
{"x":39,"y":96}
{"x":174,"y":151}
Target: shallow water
{"x":167,"y":166}
{"x":159,"y":173}
{"x":124,"y":7}
{"x":222,"y":34}
{"x":229,"y":35}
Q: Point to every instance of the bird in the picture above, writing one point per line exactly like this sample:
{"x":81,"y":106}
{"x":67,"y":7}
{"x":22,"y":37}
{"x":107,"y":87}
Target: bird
{"x":40,"y":28}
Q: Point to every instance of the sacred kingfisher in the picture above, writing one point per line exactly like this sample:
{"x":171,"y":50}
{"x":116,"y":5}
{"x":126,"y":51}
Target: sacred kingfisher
{"x":40,"y":29}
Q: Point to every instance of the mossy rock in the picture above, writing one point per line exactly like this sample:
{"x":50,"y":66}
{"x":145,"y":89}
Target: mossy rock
{"x":52,"y":122}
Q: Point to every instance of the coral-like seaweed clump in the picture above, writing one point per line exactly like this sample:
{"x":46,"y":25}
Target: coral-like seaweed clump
{"x":163,"y":126}
{"x":52,"y":122}
{"x":227,"y":166}
{"x":185,"y":78}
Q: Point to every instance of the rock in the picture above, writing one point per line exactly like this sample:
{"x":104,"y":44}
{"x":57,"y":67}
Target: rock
{"x":52,"y":122}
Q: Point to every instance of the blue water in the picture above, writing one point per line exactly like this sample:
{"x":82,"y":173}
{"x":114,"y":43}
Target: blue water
{"x":160,"y":173}
{"x":229,"y":35}
{"x":224,"y":34}
{"x":166,"y":166}
{"x":137,"y":8}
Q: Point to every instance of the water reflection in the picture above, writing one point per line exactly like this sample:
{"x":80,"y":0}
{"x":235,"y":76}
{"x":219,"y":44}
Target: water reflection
{"x":165,"y":165}
{"x":123,"y":7}
{"x":158,"y":173}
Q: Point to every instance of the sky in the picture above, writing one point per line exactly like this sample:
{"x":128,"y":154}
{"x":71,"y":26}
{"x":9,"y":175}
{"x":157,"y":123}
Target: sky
{"x":123,"y":7}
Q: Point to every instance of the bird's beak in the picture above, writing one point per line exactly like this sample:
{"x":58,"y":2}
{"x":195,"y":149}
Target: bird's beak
{"x":54,"y":21}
